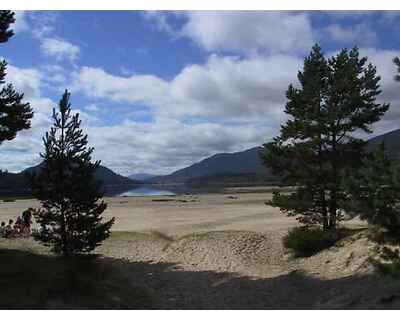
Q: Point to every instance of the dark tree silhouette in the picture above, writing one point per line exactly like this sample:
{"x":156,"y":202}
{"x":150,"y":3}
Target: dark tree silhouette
{"x":71,"y":213}
{"x":396,"y":61}
{"x":15,"y":114}
{"x":317,"y":144}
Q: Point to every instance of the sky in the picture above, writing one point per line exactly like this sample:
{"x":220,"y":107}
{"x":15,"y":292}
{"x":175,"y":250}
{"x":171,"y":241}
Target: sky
{"x":160,"y":90}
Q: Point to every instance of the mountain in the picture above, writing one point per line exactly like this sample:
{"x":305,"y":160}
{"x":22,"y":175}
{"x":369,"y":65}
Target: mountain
{"x":141,"y":176}
{"x":18,"y":184}
{"x":222,"y":164}
{"x":392,"y":143}
{"x":245,"y":167}
{"x":103,"y":174}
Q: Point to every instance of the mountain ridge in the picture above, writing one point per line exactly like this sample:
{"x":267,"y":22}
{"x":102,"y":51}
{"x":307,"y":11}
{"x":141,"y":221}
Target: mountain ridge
{"x":242,"y":162}
{"x":18,"y":183}
{"x":141,"y":176}
{"x":247,"y":164}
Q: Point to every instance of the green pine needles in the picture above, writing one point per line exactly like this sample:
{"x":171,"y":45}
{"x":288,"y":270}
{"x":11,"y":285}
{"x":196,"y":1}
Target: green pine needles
{"x":71,"y":212}
{"x":15,"y":114}
{"x":317,"y":145}
{"x":374,"y":195}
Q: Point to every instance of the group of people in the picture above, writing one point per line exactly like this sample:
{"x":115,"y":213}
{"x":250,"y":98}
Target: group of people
{"x":21,"y":227}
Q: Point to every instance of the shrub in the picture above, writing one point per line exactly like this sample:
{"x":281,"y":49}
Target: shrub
{"x":305,"y":242}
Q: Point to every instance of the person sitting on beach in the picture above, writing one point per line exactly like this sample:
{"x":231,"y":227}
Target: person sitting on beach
{"x":9,"y":229}
{"x":18,"y":224}
{"x":3,"y":229}
{"x":27,"y":221}
{"x":17,"y":228}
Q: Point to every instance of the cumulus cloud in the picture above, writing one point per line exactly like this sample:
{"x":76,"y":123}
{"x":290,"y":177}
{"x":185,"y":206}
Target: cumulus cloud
{"x":25,"y":80}
{"x":168,"y":144}
{"x":227,"y":104}
{"x":233,"y":101}
{"x":60,"y":49}
{"x":225,"y":88}
{"x":383,"y":60}
{"x":242,"y":31}
{"x":161,"y":146}
{"x":243,"y":97}
{"x":24,"y":150}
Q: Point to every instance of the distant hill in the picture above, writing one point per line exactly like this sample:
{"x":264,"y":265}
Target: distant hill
{"x":392,"y":143}
{"x":232,"y":179}
{"x":103,"y":174}
{"x":141,"y":176}
{"x":222,"y":165}
{"x":245,"y":167}
{"x":18,"y":184}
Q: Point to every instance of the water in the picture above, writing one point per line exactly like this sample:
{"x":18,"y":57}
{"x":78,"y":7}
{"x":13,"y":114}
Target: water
{"x":146,"y":191}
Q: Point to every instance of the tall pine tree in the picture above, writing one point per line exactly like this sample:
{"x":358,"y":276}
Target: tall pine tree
{"x":71,"y":213}
{"x":15,"y":114}
{"x":316,"y":145}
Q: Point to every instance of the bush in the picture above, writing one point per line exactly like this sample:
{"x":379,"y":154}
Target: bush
{"x":305,"y":242}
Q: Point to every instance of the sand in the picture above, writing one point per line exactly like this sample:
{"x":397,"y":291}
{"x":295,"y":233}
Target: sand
{"x":180,"y":215}
{"x":225,"y":251}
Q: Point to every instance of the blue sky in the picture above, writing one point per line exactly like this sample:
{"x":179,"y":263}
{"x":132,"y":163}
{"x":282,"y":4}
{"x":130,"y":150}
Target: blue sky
{"x":160,"y":90}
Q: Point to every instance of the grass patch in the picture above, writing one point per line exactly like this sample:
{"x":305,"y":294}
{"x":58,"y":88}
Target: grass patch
{"x":162,"y":200}
{"x":35,"y":281}
{"x":9,"y":200}
{"x":305,"y":242}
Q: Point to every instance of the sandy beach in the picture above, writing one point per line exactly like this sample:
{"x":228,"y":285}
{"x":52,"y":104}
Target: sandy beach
{"x":217,"y":251}
{"x":179,"y":215}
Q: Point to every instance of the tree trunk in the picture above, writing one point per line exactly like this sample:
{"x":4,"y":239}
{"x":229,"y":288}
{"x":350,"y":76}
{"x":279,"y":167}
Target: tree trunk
{"x":334,"y":189}
{"x":325,"y":221}
{"x":333,"y":211}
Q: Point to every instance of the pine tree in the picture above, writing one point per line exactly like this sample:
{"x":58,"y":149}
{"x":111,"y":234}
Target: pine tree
{"x":15,"y":114}
{"x":317,"y":144}
{"x":71,"y":211}
{"x":374,"y":194}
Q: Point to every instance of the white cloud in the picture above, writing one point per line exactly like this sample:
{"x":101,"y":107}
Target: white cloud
{"x":24,"y":150}
{"x":243,"y":31}
{"x":20,"y":22}
{"x":225,"y":88}
{"x":383,"y":60}
{"x":227,"y":104}
{"x":25,"y":80}
{"x":358,"y":33}
{"x":161,"y":21}
{"x":95,"y":82}
{"x":42,"y":23}
{"x":60,"y":49}
{"x":168,"y":144}
{"x":243,"y":97}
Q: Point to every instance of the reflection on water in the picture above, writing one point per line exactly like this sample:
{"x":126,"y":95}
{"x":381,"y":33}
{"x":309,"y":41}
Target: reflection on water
{"x":146,"y":191}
